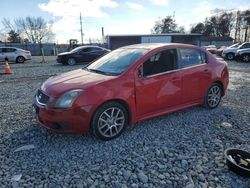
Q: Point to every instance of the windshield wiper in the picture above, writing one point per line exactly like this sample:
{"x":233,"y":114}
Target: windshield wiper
{"x":100,"y":72}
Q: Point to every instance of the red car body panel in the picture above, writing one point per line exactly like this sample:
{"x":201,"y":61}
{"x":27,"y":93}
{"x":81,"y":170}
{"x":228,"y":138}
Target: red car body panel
{"x":144,"y":97}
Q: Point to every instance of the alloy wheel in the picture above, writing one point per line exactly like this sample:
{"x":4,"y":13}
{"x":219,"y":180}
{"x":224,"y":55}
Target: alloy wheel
{"x":214,"y":96}
{"x":230,"y":56}
{"x":20,"y":59}
{"x":111,"y":122}
{"x":71,"y":61}
{"x":246,"y":58}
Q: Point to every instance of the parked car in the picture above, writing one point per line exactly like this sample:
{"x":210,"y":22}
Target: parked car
{"x":128,"y":85}
{"x":14,"y":54}
{"x":230,"y":52}
{"x":220,"y":50}
{"x":211,"y":48}
{"x":82,"y":54}
{"x":243,"y":54}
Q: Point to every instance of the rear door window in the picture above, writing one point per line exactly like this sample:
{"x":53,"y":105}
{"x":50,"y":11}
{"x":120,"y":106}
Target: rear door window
{"x":191,"y":57}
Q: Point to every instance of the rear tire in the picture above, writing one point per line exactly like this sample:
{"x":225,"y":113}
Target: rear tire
{"x":109,"y":121}
{"x":71,"y":61}
{"x":213,"y":97}
{"x":230,"y":56}
{"x":20,"y":59}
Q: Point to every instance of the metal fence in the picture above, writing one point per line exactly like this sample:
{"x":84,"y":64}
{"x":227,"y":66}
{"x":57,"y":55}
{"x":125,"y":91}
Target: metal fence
{"x":49,"y":49}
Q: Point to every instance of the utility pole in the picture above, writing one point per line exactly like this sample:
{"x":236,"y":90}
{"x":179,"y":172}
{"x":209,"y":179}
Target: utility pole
{"x":81,"y":27}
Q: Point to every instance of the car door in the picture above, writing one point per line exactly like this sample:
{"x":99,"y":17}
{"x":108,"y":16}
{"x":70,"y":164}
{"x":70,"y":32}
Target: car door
{"x":159,"y":87}
{"x":10,"y":53}
{"x":82,"y":55}
{"x":195,"y":74}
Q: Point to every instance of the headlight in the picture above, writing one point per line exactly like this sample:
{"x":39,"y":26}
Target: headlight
{"x":66,"y":100}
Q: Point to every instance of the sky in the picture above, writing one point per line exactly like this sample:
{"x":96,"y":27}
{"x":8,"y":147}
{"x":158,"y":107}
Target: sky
{"x":118,"y":17}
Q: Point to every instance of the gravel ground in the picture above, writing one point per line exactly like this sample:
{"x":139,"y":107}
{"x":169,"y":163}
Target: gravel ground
{"x":183,"y":149}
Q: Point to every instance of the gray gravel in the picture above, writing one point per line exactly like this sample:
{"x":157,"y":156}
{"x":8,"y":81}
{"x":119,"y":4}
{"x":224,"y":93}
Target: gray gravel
{"x":183,"y":149}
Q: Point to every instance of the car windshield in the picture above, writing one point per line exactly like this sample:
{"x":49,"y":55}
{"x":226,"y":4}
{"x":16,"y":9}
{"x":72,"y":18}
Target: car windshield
{"x":116,"y":62}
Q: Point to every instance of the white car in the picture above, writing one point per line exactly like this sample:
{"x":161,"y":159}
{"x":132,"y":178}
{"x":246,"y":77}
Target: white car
{"x":14,"y":54}
{"x":230,"y":52}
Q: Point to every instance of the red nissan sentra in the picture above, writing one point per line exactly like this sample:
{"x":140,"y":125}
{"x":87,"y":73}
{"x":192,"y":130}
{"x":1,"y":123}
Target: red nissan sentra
{"x":131,"y":84}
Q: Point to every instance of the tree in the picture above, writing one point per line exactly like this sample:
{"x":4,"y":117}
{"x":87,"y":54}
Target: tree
{"x":166,"y":25}
{"x":198,"y":28}
{"x":218,"y":25}
{"x":224,"y":24}
{"x":246,"y":18}
{"x":35,"y":29}
{"x":14,"y":37}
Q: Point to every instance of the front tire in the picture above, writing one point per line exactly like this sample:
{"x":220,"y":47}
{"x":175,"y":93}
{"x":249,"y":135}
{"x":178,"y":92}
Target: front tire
{"x":20,"y":59}
{"x":230,"y":56}
{"x":71,"y":61}
{"x":109,"y":121}
{"x":213,"y":97}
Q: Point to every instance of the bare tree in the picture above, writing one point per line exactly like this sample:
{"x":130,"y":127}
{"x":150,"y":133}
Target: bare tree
{"x":35,"y":29}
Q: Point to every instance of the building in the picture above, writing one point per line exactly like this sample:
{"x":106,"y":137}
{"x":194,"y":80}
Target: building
{"x":217,"y":41}
{"x":117,"y":41}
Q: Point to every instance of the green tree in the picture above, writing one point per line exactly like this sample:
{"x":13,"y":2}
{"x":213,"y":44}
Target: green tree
{"x":14,"y":37}
{"x":198,"y":28}
{"x":165,"y":25}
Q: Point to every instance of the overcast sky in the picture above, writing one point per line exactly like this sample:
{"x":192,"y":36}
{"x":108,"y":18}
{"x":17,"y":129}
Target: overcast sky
{"x":116,"y":16}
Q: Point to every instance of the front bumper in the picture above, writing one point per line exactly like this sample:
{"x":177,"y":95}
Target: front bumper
{"x":74,"y":120}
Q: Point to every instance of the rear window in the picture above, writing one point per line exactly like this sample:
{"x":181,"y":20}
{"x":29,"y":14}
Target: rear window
{"x":191,"y":57}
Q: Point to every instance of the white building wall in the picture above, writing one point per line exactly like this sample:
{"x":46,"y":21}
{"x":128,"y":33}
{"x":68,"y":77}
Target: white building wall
{"x":156,"y":39}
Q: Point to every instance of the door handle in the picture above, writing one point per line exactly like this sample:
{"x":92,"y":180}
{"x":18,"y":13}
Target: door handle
{"x":205,"y":70}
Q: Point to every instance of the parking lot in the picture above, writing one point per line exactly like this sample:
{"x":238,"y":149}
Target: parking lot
{"x":182,"y":149}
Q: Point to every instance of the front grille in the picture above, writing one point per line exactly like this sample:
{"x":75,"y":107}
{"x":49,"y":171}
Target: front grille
{"x":42,"y":98}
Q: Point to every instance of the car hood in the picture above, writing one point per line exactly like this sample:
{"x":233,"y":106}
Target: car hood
{"x":77,"y":79}
{"x":64,"y":53}
{"x":230,"y":50}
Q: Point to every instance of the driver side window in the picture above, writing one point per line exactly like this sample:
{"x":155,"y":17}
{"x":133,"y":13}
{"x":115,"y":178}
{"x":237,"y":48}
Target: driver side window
{"x":160,"y":62}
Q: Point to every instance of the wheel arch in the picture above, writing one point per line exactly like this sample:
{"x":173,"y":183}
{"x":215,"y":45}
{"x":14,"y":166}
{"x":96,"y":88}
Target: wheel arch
{"x":20,"y":56}
{"x":221,"y":86}
{"x":120,"y":101}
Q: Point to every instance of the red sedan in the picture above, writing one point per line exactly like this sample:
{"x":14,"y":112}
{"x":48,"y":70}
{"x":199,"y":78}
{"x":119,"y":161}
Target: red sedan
{"x":131,"y":84}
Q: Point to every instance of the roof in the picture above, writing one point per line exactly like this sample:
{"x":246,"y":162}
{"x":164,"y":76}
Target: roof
{"x":151,"y":46}
{"x":213,"y":38}
{"x":151,"y":35}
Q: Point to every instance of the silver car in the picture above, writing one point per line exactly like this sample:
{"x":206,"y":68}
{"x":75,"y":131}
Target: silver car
{"x":14,"y":54}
